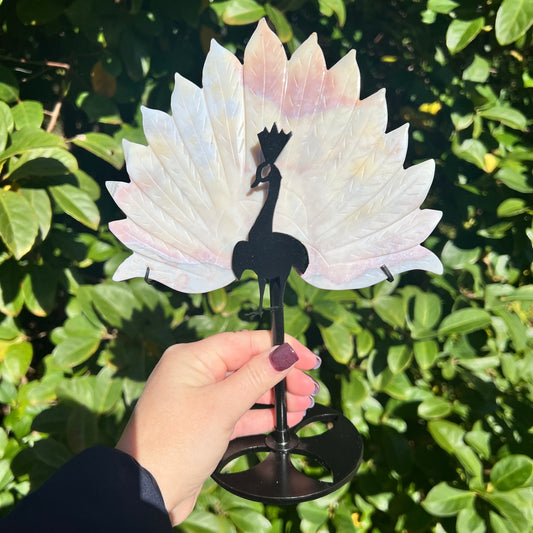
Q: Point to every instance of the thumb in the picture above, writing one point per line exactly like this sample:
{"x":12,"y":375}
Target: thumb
{"x":244,"y":387}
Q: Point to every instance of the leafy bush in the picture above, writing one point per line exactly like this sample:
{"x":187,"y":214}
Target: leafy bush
{"x":435,"y":371}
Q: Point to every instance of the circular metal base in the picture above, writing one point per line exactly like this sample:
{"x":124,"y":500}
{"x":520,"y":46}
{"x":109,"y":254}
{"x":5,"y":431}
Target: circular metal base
{"x":276,"y":481}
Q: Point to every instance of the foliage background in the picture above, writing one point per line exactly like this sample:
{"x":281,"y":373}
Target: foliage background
{"x":435,"y":371}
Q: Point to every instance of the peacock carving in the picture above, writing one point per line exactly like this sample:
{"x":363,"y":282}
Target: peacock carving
{"x":347,"y":205}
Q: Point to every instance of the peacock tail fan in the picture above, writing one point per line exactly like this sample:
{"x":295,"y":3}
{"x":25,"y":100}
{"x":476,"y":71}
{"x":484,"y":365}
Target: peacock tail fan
{"x":345,"y":194}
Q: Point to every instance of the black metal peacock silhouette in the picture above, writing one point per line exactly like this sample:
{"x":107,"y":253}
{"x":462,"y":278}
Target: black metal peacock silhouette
{"x":271,"y":255}
{"x":349,"y":210}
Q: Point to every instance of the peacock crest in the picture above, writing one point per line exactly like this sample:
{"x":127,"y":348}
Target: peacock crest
{"x":346,"y":197}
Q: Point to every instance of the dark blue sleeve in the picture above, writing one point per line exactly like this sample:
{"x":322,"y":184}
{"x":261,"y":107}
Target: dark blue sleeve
{"x":101,"y":490}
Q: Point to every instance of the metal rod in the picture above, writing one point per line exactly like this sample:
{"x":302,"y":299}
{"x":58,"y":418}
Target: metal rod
{"x":281,"y":429}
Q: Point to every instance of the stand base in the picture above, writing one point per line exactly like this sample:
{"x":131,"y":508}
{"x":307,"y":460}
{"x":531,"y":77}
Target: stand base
{"x":276,"y":481}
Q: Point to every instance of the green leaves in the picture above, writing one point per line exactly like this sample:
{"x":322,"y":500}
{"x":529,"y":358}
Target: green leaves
{"x":442,"y":6}
{"x":9,"y":87}
{"x":102,"y":146}
{"x":443,"y":500}
{"x":76,"y":203}
{"x":75,"y":350}
{"x":506,"y":115}
{"x":513,"y":19}
{"x":464,"y":321}
{"x":338,"y":341}
{"x":28,"y":114}
{"x":238,"y":12}
{"x":330,"y":7}
{"x":16,"y":361}
{"x":512,"y":472}
{"x":462,"y":32}
{"x":28,"y":139}
{"x":19,"y":224}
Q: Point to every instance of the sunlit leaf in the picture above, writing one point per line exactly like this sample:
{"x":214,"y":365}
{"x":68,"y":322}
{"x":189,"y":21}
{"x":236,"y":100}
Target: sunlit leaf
{"x":39,"y":200}
{"x":19,"y":224}
{"x":283,"y":28}
{"x":102,"y":146}
{"x":296,"y":321}
{"x":398,"y":358}
{"x":513,"y":19}
{"x":442,"y":6}
{"x":391,"y":310}
{"x":512,"y":207}
{"x":468,"y":521}
{"x":77,"y":204}
{"x":28,"y":114}
{"x":443,"y":500}
{"x":506,"y":115}
{"x":447,"y":435}
{"x":17,"y":359}
{"x":9,"y":87}
{"x":515,"y":179}
{"x":462,"y":32}
{"x":426,"y":353}
{"x":512,"y":472}
{"x":464,"y":321}
{"x":75,"y":350}
{"x":471,"y":150}
{"x":107,"y":391}
{"x":240,"y":12}
{"x":328,"y":7}
{"x":338,"y":342}
{"x":478,"y":70}
{"x":434,"y":408}
{"x":28,"y":139}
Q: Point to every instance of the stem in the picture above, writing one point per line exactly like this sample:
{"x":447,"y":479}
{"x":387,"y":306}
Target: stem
{"x":54,"y":116}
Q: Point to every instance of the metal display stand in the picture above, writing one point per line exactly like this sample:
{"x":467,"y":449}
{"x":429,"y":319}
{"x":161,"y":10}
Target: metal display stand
{"x":275,"y":480}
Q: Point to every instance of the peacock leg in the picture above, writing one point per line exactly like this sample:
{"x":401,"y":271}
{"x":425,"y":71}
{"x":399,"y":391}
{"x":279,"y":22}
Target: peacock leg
{"x":262,"y":283}
{"x":259,"y":312}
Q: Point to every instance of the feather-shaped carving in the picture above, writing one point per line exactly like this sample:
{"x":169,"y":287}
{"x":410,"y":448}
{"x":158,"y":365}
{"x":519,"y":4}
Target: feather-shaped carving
{"x":345,"y":194}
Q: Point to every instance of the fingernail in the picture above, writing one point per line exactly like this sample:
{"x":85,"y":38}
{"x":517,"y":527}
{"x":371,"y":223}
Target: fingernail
{"x":312,"y":403}
{"x":283,"y":357}
{"x":318,"y":362}
{"x":317,"y":388}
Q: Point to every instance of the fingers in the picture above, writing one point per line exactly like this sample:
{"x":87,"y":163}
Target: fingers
{"x":241,"y":389}
{"x":262,"y":421}
{"x":295,"y":402}
{"x":298,"y":384}
{"x":227,"y":352}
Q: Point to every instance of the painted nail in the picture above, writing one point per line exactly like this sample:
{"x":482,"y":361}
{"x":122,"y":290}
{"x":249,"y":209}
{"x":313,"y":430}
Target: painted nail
{"x":318,"y":362}
{"x":317,"y":388}
{"x":283,"y":357}
{"x":312,"y":403}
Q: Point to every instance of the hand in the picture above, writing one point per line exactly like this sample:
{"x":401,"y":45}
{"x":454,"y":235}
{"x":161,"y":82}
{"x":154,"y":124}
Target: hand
{"x":199,"y":397}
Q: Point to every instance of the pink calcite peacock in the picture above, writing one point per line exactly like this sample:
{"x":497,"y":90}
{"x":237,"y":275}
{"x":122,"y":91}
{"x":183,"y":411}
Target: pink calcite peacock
{"x":345,"y":194}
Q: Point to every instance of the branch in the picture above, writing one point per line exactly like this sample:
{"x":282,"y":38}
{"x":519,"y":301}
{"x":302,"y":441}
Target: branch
{"x":54,"y":116}
{"x":31,"y":62}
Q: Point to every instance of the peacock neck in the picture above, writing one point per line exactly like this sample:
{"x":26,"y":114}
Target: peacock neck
{"x":263,"y":222}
